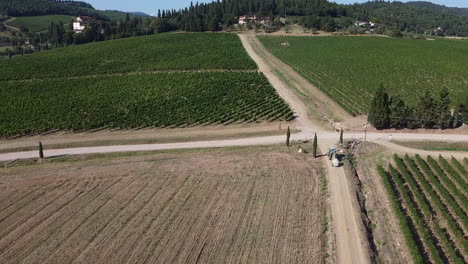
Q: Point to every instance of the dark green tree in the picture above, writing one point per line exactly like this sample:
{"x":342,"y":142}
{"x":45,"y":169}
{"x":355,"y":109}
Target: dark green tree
{"x":341,"y":136}
{"x":444,"y":109}
{"x":427,"y":111}
{"x":314,"y":150}
{"x":456,"y":115}
{"x":401,"y":115}
{"x":379,"y":111}
{"x":41,"y":150}
{"x":288,"y":136}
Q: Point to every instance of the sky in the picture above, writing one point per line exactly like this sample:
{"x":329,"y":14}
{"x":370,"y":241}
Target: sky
{"x":151,"y":6}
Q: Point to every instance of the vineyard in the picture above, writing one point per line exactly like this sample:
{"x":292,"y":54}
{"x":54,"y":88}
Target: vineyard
{"x":138,"y":100}
{"x":165,"y":80}
{"x":429,"y":197}
{"x":349,"y":69}
{"x":197,"y":51}
{"x":259,"y":205}
{"x":39,"y":23}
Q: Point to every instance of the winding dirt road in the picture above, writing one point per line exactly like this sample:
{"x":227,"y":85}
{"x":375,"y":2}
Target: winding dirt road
{"x":350,"y":240}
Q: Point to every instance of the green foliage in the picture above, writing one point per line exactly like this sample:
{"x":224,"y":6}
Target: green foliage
{"x":314,"y":151}
{"x":442,"y":191}
{"x":379,"y":110}
{"x":349,"y":69}
{"x":196,"y":51}
{"x":460,"y":167}
{"x":444,"y":113}
{"x":435,"y":199}
{"x":39,"y":23}
{"x":288,"y":135}
{"x":410,"y":237}
{"x":454,"y":176}
{"x":138,"y":100}
{"x":419,"y":200}
{"x":341,"y":136}
{"x":414,"y":191}
{"x":455,"y":191}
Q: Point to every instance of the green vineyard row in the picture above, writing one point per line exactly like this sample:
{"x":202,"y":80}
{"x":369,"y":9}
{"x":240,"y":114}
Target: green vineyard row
{"x":424,"y":208}
{"x":140,"y":100}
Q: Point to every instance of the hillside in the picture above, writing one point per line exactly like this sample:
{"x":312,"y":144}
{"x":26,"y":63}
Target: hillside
{"x":170,"y":80}
{"x":350,"y":69}
{"x":38,"y":23}
{"x":172,"y":51}
{"x":453,"y":10}
{"x":20,"y":8}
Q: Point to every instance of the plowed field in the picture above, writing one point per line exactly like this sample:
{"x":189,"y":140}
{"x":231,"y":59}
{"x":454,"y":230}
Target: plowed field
{"x":214,"y":206}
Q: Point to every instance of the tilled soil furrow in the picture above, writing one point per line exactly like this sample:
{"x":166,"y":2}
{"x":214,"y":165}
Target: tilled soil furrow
{"x":218,"y":235}
{"x":143,"y":231}
{"x":77,"y":240}
{"x":45,"y":230}
{"x":101,"y":240}
{"x":237,"y":232}
{"x":95,"y":202}
{"x":16,"y":207}
{"x":190,"y":251}
{"x":163,"y":249}
{"x":36,"y":207}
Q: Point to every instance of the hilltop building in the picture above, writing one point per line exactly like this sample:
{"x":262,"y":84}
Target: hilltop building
{"x":80,"y":23}
{"x":246,"y":19}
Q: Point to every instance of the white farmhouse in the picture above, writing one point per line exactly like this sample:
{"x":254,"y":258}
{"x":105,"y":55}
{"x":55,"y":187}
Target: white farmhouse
{"x":246,"y":19}
{"x":80,"y":23}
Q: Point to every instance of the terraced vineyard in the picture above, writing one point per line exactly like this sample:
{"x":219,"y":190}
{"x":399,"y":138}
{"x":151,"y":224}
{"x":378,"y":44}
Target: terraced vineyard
{"x":202,"y":79}
{"x":196,"y":51}
{"x":429,"y":198}
{"x":349,"y":69}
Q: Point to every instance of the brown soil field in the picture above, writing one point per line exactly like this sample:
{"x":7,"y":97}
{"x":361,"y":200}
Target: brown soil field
{"x":239,"y":205}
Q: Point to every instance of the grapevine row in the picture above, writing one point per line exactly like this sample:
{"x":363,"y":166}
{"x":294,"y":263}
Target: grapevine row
{"x":413,"y":213}
{"x":453,"y":174}
{"x":408,"y":233}
{"x":442,"y":191}
{"x":435,"y":199}
{"x":427,"y":211}
{"x":451,"y":186}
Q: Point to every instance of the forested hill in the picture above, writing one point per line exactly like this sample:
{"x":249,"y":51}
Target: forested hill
{"x":453,"y":10}
{"x":18,"y":8}
{"x":43,"y":7}
{"x":417,"y":17}
{"x":395,"y":15}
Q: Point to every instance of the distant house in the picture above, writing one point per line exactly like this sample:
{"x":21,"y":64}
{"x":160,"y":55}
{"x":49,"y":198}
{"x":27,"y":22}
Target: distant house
{"x":246,"y":19}
{"x":366,"y":24}
{"x":80,"y":23}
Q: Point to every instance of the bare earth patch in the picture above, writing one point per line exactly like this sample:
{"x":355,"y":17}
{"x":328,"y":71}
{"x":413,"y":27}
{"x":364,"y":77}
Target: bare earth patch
{"x":256,"y":205}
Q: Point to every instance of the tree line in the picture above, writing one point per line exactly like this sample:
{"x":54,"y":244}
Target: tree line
{"x":430,"y":112}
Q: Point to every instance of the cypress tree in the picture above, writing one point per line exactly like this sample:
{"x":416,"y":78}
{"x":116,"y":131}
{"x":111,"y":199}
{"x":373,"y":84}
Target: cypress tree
{"x":402,"y":116}
{"x":456,"y":115}
{"x":41,"y":150}
{"x":288,"y":135}
{"x":379,"y":111}
{"x":444,"y":109}
{"x":341,"y":136}
{"x":314,"y":151}
{"x":427,"y":110}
